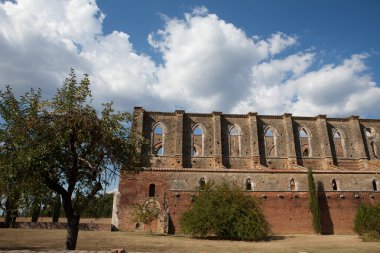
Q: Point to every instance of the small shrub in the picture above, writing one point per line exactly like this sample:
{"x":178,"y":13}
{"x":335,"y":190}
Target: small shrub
{"x":146,"y":213}
{"x":371,"y":236}
{"x":224,"y":211}
{"x":367,"y":222}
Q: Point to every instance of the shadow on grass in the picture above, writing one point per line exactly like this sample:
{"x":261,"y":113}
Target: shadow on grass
{"x":22,"y":248}
{"x":266,"y":239}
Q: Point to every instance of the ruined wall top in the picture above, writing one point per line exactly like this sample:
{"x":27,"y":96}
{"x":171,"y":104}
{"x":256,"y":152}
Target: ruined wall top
{"x":252,"y":141}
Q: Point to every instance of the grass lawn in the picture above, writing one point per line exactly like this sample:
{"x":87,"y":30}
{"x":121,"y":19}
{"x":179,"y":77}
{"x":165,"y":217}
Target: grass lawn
{"x":44,"y":240}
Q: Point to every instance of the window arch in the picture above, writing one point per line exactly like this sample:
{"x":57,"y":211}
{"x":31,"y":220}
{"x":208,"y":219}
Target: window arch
{"x":202,"y":183}
{"x":270,"y":140}
{"x":158,"y":139}
{"x":152,"y":190}
{"x":371,"y":143}
{"x":234,"y":140}
{"x":292,"y":184}
{"x":248,"y":184}
{"x":374,"y":185}
{"x":339,"y":143}
{"x":198,"y":134}
{"x":305,"y":142}
{"x":334,"y":185}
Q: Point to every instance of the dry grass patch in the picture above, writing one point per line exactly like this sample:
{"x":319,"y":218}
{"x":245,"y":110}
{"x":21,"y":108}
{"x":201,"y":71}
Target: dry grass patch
{"x":28,"y":239}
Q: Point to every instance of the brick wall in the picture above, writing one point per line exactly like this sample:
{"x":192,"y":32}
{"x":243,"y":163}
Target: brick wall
{"x":271,"y":163}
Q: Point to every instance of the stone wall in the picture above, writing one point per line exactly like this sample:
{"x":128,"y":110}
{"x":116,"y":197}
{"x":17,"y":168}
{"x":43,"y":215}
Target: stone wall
{"x":250,"y":147}
{"x":267,"y":156}
{"x":61,"y":225}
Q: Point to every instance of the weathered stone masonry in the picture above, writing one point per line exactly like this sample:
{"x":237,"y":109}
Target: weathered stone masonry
{"x":267,"y":155}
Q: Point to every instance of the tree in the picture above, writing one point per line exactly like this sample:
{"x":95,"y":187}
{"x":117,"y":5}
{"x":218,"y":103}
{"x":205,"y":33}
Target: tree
{"x":15,"y":186}
{"x":56,"y":208}
{"x":100,"y":207}
{"x":223,"y":210}
{"x":145,"y":213}
{"x":313,"y":203}
{"x":66,"y":145}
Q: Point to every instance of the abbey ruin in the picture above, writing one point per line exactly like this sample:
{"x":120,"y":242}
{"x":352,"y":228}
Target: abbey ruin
{"x":268,"y":156}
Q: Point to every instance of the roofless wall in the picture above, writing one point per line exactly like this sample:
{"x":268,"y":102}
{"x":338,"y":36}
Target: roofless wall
{"x":217,"y":141}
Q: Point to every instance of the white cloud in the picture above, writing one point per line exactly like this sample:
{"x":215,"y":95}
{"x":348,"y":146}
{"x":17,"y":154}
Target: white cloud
{"x":208,"y":64}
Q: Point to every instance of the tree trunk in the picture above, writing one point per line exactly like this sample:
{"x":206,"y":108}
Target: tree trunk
{"x":72,"y":232}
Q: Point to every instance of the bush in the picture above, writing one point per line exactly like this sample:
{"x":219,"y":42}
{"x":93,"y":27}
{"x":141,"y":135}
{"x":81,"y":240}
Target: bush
{"x":372,"y":236}
{"x":224,"y":211}
{"x":367,"y":220}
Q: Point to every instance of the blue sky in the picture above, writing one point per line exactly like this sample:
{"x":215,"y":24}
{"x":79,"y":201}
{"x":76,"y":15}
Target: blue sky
{"x":341,"y":28}
{"x":270,"y":57}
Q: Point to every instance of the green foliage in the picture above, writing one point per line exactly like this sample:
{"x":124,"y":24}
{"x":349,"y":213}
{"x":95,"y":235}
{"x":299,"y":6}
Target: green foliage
{"x":367,"y":222}
{"x":66,"y":145}
{"x":56,"y":208}
{"x":313,"y":203}
{"x":146,"y":213}
{"x":224,"y":211}
{"x":16,"y":186}
{"x":371,"y":236}
{"x":99,"y":207}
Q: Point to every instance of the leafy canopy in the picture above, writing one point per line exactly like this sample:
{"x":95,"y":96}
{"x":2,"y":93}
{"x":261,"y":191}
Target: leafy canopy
{"x":65,"y":144}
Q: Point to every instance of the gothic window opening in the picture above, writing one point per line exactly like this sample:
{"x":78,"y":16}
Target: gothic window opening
{"x":234,"y":141}
{"x":202,"y":183}
{"x":305,"y":142}
{"x":197,"y":141}
{"x":334,"y":185}
{"x":371,"y":143}
{"x":248,"y":185}
{"x":152,"y":190}
{"x":339,"y":144}
{"x":292,"y":185}
{"x":158,"y":140}
{"x":374,"y":185}
{"x":270,"y":141}
{"x":305,"y":152}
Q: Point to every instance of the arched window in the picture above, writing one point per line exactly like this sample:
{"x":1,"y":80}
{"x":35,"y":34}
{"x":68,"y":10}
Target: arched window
{"x":339,"y":144}
{"x":270,"y":140}
{"x":371,"y":143}
{"x":334,"y":185}
{"x":292,"y":184}
{"x":248,"y":185}
{"x":152,"y":190}
{"x":197,"y":141}
{"x":234,"y":141}
{"x":304,"y":141}
{"x":374,"y":185}
{"x":158,"y":139}
{"x":202,"y":183}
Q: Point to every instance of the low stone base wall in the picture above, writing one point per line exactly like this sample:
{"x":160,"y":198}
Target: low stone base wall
{"x":60,"y":225}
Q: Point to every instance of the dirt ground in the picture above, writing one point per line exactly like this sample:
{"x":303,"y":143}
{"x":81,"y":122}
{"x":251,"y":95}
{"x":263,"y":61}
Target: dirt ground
{"x":44,"y":240}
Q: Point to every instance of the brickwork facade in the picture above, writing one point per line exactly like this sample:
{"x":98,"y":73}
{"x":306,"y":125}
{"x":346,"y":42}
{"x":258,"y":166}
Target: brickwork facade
{"x":267,"y":155}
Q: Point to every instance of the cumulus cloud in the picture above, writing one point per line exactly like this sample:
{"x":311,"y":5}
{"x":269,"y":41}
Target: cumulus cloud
{"x":207,"y":64}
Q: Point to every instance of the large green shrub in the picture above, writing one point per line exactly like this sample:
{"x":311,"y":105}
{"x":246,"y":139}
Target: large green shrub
{"x":224,"y":211}
{"x":313,"y":203}
{"x":367,"y":221}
